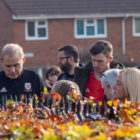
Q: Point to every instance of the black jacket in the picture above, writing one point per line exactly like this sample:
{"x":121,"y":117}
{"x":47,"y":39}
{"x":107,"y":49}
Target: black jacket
{"x":82,"y":73}
{"x":27,"y":83}
{"x":65,"y":76}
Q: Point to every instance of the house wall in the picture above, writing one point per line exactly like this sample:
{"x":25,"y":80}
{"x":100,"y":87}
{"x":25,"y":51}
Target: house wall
{"x":6,"y":25}
{"x":132,"y":45}
{"x":61,"y":32}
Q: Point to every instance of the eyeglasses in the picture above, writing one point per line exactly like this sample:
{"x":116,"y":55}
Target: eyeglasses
{"x":66,"y":57}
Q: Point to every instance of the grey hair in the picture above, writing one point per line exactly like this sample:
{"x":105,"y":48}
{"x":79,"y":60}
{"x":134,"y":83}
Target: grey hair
{"x":12,"y":50}
{"x":109,"y":78}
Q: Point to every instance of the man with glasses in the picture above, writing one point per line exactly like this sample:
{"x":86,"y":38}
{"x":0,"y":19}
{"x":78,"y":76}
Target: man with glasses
{"x":14,"y":80}
{"x":68,"y":59}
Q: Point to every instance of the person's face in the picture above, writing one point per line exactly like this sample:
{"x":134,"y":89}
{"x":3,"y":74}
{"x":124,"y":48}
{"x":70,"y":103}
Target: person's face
{"x":52,"y":78}
{"x":119,"y":91}
{"x":12,"y":66}
{"x":108,"y":92}
{"x":64,"y":62}
{"x":100,"y":62}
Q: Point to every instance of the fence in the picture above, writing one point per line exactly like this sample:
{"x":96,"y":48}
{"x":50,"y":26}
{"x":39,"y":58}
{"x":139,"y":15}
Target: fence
{"x":81,"y":108}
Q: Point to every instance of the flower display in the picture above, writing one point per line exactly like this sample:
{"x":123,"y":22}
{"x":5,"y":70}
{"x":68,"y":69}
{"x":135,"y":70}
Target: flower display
{"x":21,"y":121}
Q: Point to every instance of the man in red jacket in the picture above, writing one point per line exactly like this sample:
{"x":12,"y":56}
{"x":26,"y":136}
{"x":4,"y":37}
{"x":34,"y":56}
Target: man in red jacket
{"x":89,"y":77}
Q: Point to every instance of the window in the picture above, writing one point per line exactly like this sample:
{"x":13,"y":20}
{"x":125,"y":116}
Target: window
{"x":36,"y":30}
{"x":90,"y":28}
{"x":136,"y":26}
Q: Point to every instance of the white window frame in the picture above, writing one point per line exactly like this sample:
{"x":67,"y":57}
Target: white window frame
{"x":133,"y":27}
{"x":85,"y":25}
{"x":36,"y":27}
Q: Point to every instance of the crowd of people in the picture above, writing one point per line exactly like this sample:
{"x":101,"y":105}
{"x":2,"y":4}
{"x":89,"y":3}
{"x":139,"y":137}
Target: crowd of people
{"x":103,"y":78}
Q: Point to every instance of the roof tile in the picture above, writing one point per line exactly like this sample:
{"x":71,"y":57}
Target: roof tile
{"x":68,"y":7}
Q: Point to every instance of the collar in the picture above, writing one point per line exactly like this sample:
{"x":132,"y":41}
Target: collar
{"x":19,"y":77}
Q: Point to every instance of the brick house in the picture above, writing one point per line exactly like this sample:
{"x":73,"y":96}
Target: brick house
{"x":42,"y":26}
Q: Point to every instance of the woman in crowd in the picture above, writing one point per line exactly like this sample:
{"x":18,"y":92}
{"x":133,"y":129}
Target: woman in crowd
{"x":128,"y":85}
{"x":108,"y":81}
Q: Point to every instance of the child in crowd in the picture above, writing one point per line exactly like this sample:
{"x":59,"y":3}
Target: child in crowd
{"x":63,"y":87}
{"x":51,"y":76}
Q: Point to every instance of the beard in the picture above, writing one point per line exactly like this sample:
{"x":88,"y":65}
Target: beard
{"x":66,"y":67}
